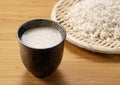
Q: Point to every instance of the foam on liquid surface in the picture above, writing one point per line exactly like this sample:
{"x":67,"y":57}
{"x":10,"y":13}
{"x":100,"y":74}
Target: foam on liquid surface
{"x":41,"y":37}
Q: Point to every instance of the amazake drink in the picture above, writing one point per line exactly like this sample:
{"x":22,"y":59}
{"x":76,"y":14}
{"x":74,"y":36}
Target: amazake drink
{"x":41,"y":37}
{"x":41,"y":43}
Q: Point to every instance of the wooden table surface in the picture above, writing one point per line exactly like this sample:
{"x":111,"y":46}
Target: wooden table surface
{"x":78,"y":67}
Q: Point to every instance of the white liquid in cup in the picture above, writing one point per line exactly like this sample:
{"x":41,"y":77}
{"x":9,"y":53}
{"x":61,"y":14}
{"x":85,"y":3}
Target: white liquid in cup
{"x":42,"y":37}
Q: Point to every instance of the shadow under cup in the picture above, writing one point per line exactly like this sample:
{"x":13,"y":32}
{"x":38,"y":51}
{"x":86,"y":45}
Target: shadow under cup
{"x":41,"y":62}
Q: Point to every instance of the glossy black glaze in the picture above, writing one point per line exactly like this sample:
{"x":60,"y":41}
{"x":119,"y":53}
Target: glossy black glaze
{"x":41,"y":62}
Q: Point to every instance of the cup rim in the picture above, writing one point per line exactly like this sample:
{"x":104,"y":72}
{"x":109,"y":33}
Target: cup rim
{"x":21,"y":42}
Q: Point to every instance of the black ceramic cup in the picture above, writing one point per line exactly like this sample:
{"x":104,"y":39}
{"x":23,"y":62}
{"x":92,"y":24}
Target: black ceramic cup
{"x":41,"y":62}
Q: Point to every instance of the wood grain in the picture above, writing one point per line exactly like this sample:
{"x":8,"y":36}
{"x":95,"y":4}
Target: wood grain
{"x":78,"y":67}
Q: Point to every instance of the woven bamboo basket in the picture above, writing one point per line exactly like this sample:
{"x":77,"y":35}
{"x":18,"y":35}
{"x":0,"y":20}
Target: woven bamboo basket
{"x":58,"y":14}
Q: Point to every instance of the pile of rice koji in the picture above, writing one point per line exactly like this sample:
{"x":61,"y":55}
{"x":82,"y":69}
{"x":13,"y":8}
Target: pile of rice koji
{"x":96,"y":19}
